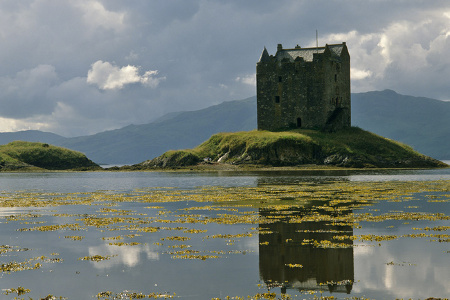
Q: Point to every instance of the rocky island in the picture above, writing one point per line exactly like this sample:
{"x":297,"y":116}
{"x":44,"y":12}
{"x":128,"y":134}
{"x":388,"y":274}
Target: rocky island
{"x":349,"y":148}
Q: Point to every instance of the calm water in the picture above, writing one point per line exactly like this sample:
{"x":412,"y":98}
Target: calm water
{"x":183,"y":244}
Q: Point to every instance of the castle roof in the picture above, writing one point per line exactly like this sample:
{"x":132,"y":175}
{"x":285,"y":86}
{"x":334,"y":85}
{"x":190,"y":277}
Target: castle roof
{"x":308,"y":53}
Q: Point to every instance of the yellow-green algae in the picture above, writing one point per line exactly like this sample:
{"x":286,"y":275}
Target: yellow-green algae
{"x":29,"y":264}
{"x":133,"y":295}
{"x":336,"y":203}
{"x":267,"y":295}
{"x":341,"y":200}
{"x":96,"y":257}
{"x":19,"y":291}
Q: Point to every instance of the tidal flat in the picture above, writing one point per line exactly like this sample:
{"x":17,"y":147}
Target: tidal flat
{"x":236,"y":235}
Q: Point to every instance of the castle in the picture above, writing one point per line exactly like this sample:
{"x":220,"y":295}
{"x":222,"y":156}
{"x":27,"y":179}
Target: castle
{"x":304,"y":88}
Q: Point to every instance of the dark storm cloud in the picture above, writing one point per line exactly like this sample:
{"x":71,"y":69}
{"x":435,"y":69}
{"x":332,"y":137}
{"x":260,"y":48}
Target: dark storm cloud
{"x":82,"y":66}
{"x":26,"y":93}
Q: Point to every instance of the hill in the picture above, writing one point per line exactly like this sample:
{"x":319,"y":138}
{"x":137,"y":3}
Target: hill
{"x":352,"y":147}
{"x":20,"y":155}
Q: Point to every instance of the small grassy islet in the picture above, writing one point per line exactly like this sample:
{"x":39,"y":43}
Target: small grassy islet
{"x":32,"y":156}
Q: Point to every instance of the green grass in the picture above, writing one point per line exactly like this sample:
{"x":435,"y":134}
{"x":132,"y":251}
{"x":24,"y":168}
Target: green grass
{"x":352,"y":147}
{"x":30,"y":155}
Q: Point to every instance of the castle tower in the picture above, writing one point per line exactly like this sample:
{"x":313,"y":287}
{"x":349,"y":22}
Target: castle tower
{"x":304,"y":88}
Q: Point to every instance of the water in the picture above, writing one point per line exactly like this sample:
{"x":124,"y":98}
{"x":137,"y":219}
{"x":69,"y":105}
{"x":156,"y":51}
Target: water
{"x":94,"y":181}
{"x":235,"y":234}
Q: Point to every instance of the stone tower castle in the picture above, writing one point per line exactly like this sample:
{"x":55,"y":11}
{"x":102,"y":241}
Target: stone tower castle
{"x":304,"y":88}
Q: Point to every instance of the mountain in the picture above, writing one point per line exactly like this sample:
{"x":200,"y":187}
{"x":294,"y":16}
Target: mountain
{"x":423,"y":123}
{"x":30,"y":136}
{"x":420,"y":122}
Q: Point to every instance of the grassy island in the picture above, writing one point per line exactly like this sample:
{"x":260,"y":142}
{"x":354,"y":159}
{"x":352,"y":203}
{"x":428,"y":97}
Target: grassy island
{"x":352,"y":148}
{"x":26,"y":156}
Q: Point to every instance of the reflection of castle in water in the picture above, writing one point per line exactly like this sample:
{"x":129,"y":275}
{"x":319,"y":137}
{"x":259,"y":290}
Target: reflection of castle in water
{"x":323,"y":268}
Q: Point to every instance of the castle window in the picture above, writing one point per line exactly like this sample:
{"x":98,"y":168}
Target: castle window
{"x":280,"y":79}
{"x":277,"y":99}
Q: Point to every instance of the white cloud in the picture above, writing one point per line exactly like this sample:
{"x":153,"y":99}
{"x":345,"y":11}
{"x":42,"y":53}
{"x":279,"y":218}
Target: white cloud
{"x":247,"y":79}
{"x":150,"y":80}
{"x":407,"y":55}
{"x":110,"y":77}
{"x":357,"y":74}
{"x":11,"y":125}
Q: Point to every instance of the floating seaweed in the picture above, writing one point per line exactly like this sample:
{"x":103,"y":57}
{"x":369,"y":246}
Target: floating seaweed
{"x":339,"y":206}
{"x":97,"y":257}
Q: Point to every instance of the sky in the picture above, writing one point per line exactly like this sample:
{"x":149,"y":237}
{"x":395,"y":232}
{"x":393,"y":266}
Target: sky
{"x":78,"y":67}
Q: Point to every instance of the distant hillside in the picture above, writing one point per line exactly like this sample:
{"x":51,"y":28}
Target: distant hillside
{"x":21,"y":155}
{"x":352,"y":147}
{"x":417,"y":121}
{"x":420,"y":122}
{"x":30,"y":136}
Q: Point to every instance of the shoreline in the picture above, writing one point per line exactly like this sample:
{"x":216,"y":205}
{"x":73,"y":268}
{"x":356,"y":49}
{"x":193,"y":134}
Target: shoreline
{"x":216,"y":167}
{"x":224,"y":167}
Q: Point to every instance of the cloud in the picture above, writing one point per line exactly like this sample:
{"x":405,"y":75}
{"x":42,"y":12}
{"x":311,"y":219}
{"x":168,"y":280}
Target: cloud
{"x":109,"y":77}
{"x":11,"y":125}
{"x":39,"y":99}
{"x":96,"y":15}
{"x":26,"y":93}
{"x":83,"y":108}
{"x":51,"y":76}
{"x":408,"y":56}
{"x":247,"y":79}
{"x":357,"y":74}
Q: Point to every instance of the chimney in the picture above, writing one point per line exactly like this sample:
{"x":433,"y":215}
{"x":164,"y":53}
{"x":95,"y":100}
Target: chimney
{"x":279,"y":47}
